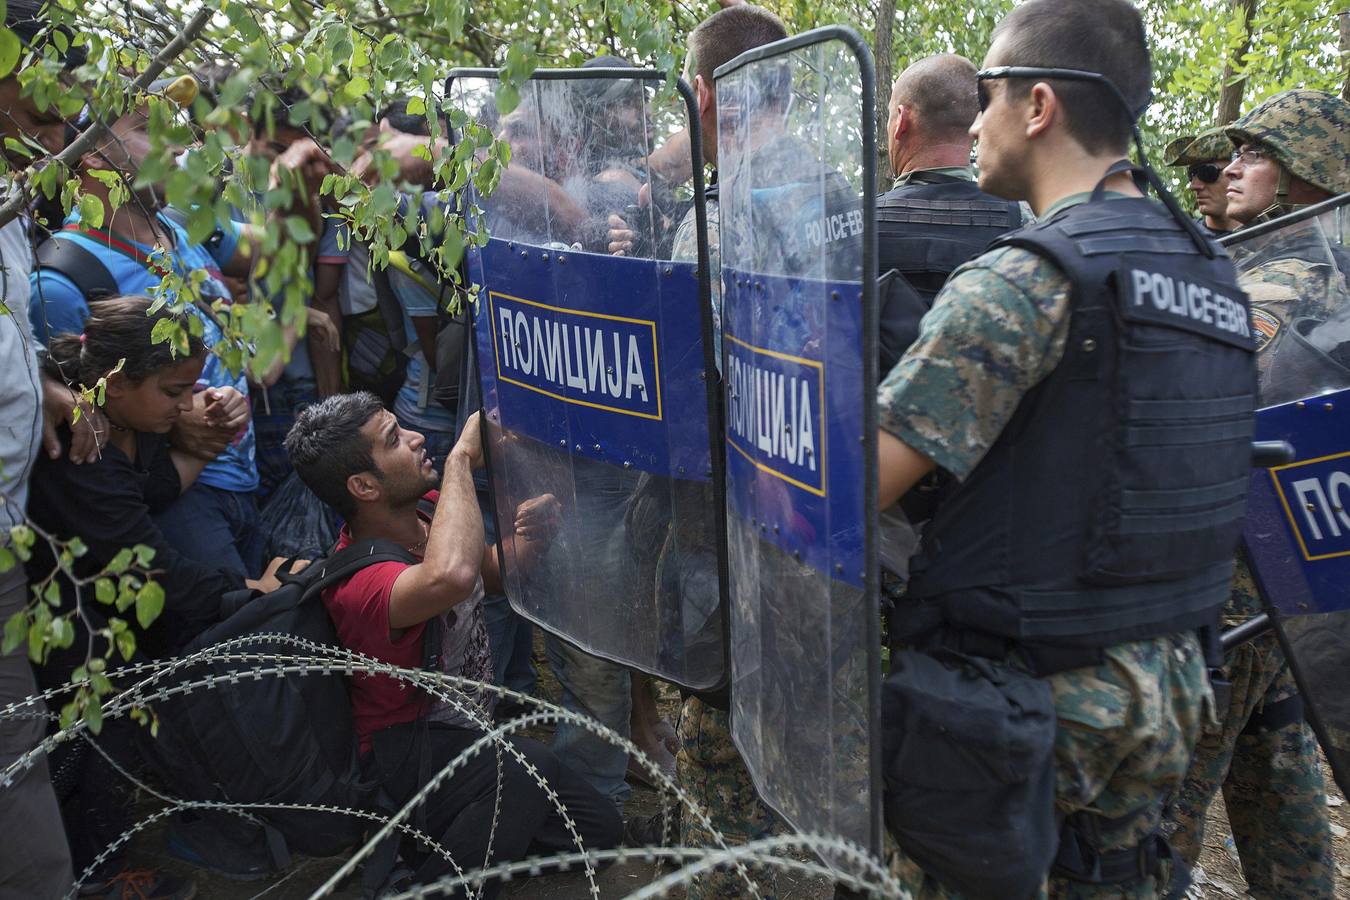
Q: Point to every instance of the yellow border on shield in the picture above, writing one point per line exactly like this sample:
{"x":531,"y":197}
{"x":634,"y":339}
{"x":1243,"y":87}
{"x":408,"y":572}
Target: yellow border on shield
{"x":824,"y":437}
{"x":1298,"y":533}
{"x":497,"y":354}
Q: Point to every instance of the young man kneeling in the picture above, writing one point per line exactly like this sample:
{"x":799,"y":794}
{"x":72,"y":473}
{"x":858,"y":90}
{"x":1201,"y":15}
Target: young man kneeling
{"x":353,"y":454}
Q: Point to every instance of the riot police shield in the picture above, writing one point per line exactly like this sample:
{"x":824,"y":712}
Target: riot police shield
{"x":796,"y":203}
{"x":1297,"y":539}
{"x":596,"y":371}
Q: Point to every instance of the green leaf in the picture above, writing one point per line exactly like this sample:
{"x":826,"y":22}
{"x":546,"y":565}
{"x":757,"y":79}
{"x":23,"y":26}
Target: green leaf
{"x":357,"y":87}
{"x":417,"y":106}
{"x":120,"y":563}
{"x":16,"y":629}
{"x":7,"y":560}
{"x":91,"y":211}
{"x":145,"y":555}
{"x":104,"y":591}
{"x":93,"y":714}
{"x":52,"y":593}
{"x":126,"y":644}
{"x":149,"y":603}
{"x":10,"y":48}
{"x":76,"y":547}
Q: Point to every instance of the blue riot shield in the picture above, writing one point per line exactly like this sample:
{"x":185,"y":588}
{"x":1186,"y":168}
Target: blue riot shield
{"x":799,"y":361}
{"x":598,"y":381}
{"x":1297,"y":539}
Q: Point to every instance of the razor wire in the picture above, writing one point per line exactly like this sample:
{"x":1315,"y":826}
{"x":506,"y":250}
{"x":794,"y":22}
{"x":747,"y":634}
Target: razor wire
{"x":853,"y":868}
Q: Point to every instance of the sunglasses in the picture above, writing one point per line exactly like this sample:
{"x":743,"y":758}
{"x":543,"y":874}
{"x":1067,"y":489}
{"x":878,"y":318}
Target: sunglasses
{"x":1038,"y":72}
{"x":1208,"y":173}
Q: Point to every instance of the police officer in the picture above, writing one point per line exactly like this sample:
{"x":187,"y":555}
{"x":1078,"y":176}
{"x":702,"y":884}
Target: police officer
{"x":708,"y":767}
{"x":1205,"y":158}
{"x":935,"y":217}
{"x":1291,"y":150}
{"x":1084,"y":413}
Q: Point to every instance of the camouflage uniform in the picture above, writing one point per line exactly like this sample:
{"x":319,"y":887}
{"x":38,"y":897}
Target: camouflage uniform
{"x":1262,"y":753}
{"x":1127,"y":725}
{"x":1271,"y":776}
{"x":708,"y":766}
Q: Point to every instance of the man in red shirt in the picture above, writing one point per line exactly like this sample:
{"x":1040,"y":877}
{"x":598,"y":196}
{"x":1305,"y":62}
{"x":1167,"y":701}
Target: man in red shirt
{"x":352,"y":453}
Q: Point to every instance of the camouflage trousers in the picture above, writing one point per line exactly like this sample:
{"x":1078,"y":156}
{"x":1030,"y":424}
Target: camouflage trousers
{"x":709,"y":768}
{"x":1124,"y":737}
{"x":1271,"y":778}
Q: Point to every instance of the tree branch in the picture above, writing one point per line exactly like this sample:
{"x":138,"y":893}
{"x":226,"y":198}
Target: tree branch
{"x":18,"y":196}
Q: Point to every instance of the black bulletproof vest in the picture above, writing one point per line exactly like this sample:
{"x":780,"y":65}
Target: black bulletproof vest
{"x":936,"y":222}
{"x":1110,"y":507}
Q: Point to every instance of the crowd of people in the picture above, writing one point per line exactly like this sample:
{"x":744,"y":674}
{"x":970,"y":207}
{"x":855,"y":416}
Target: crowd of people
{"x":993,"y":340}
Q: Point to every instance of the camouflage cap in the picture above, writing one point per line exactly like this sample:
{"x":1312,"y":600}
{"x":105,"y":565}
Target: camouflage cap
{"x":1306,"y":133}
{"x":1208,"y":146}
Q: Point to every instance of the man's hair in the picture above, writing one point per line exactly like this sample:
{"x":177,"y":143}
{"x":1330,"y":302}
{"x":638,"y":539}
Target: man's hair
{"x":326,"y":446}
{"x":1103,"y":36}
{"x":401,"y":120}
{"x":30,"y":25}
{"x":942,"y":92}
{"x":727,"y":34}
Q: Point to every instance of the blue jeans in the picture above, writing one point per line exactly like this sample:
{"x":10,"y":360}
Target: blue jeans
{"x":599,"y":689}
{"x":216,"y":528}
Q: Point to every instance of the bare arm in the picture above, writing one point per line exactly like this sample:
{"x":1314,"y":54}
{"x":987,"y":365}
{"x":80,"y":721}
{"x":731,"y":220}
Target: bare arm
{"x":453,"y":561}
{"x":900,"y":467}
{"x":188,"y":466}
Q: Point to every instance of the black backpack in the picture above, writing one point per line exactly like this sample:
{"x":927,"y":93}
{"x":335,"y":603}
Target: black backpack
{"x":270,"y":738}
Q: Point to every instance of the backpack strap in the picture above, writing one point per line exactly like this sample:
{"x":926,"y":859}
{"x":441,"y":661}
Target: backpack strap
{"x":86,"y":270}
{"x":390,"y":309}
{"x":347,"y":562}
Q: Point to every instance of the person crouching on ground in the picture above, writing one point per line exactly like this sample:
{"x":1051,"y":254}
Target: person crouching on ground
{"x":353,"y":454}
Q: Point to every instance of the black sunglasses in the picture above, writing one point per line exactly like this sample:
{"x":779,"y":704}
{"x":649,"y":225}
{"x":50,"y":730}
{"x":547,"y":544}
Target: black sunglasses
{"x":1205,"y":172}
{"x":1038,"y":72}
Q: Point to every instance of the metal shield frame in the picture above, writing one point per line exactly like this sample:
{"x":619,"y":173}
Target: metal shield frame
{"x":869,"y":426}
{"x":713,"y":388}
{"x":1271,"y":540}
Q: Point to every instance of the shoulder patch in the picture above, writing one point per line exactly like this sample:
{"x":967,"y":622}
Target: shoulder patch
{"x":1265,"y":325}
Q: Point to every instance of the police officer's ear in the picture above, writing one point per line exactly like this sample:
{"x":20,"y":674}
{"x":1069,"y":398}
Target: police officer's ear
{"x":901,"y":121}
{"x":1040,"y":109}
{"x":703,"y":93}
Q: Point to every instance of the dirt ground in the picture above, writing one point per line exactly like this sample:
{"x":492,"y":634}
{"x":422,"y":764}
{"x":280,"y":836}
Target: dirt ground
{"x":1222,"y":875}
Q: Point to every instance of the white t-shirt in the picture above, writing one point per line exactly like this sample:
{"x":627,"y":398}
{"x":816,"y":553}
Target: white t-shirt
{"x":20,"y":386}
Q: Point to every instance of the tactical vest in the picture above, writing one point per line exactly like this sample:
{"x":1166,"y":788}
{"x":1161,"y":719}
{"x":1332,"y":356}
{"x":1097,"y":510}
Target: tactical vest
{"x":1110,"y":507}
{"x":936,"y":222}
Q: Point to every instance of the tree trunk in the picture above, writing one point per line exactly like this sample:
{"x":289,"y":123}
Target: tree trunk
{"x":1230,"y":98}
{"x":881,"y":50}
{"x":1345,"y":53}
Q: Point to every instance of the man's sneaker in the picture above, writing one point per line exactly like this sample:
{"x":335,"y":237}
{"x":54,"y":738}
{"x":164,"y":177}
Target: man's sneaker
{"x":141,"y":884}
{"x":200,"y":843}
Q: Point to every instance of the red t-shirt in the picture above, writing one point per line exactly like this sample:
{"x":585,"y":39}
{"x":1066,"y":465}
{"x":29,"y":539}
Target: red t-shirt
{"x":359,"y":608}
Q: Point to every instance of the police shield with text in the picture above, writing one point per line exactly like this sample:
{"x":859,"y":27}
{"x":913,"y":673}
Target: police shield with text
{"x":1298,"y":533}
{"x":596,"y":373}
{"x":797,"y":195}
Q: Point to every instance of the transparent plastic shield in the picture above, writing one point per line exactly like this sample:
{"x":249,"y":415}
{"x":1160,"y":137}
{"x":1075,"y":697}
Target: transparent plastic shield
{"x":596,"y":371}
{"x":1298,"y":531}
{"x":1294,"y":270}
{"x":799,"y":357}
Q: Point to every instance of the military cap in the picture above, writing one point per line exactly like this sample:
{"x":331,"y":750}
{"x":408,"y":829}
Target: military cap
{"x":1202,"y":148}
{"x":1305,"y":131}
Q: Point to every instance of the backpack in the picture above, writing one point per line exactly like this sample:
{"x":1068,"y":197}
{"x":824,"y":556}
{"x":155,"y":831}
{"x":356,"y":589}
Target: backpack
{"x":269,"y":738}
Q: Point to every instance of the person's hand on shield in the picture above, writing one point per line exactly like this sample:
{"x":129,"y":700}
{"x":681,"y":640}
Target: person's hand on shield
{"x":538,"y":518}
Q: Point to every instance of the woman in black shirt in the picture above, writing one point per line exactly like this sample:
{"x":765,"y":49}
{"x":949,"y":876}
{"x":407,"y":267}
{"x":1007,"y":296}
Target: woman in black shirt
{"x":108,"y":503}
